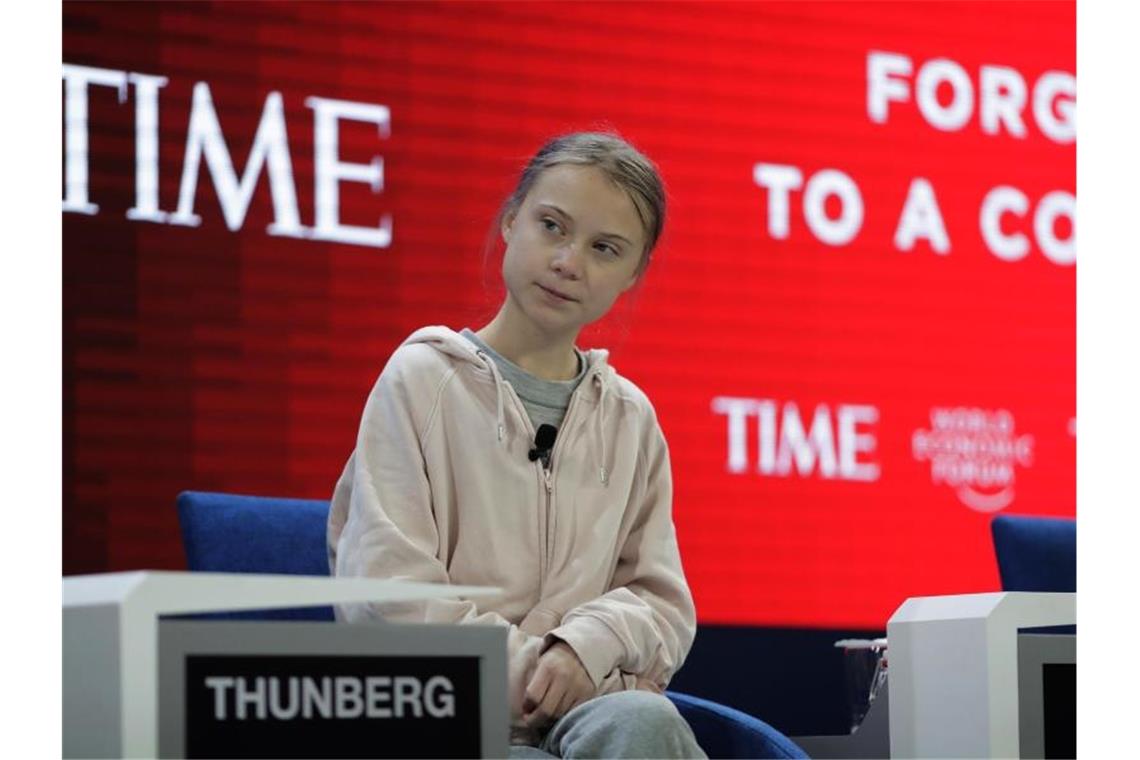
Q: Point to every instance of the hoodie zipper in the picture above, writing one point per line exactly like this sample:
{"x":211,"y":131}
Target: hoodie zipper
{"x":546,"y":483}
{"x":548,"y":511}
{"x":548,"y":478}
{"x":545,"y":487}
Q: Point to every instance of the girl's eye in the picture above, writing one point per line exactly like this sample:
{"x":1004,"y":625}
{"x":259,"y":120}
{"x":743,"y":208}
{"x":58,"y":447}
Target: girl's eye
{"x":550,"y":225}
{"x":609,"y":250}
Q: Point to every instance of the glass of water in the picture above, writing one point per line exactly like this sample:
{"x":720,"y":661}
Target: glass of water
{"x":865,"y":666}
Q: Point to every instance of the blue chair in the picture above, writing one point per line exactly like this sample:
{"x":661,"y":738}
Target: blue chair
{"x":723,"y":731}
{"x":227,"y":533}
{"x":1036,"y":553}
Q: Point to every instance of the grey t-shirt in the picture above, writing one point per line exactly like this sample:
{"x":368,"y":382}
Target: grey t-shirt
{"x":545,"y":400}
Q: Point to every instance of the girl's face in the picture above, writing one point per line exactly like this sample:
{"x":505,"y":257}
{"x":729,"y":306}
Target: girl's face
{"x":573,"y":247}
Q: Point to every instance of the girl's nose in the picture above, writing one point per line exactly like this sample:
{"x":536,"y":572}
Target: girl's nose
{"x":567,"y":261}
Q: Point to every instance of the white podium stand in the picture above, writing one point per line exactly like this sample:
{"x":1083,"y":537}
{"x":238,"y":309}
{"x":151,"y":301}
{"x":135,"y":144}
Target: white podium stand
{"x":110,"y":640}
{"x":953,"y":671}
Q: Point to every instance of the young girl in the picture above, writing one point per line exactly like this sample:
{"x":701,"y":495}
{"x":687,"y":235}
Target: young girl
{"x":449,"y":485}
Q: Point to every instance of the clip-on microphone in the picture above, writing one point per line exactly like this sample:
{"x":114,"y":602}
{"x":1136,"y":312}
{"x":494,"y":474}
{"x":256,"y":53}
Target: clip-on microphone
{"x":543,"y":444}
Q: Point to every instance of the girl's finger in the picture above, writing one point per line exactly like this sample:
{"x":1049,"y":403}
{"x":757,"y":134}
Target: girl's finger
{"x":548,"y":709}
{"x":569,"y":701}
{"x":536,"y":690}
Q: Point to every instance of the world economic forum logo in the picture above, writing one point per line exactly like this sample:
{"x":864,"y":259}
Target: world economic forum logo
{"x":976,"y":453}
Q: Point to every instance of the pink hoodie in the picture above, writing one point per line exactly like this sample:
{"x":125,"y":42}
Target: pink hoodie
{"x":440,"y":489}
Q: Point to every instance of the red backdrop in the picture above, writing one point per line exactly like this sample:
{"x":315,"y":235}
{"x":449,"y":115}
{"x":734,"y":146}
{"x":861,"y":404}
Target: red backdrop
{"x":859,"y":349}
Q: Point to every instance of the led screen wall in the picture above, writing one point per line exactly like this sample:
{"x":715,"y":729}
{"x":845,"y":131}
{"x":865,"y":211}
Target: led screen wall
{"x":859,"y":330}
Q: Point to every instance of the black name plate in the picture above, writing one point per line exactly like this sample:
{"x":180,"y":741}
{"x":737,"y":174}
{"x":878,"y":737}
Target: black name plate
{"x":332,"y":706}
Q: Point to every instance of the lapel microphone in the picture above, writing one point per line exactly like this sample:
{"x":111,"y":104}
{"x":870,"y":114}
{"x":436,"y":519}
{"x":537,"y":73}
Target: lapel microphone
{"x":543,"y":444}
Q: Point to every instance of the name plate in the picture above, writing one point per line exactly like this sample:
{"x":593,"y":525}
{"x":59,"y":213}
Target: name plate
{"x":294,"y":690}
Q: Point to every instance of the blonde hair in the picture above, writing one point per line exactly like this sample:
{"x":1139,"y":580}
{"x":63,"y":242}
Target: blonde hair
{"x":624,"y":165}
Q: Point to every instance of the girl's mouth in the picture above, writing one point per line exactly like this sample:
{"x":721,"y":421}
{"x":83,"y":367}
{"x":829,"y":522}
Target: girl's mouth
{"x":556,"y":294}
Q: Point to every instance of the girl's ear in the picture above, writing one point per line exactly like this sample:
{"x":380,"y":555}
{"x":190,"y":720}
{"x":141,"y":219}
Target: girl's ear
{"x":508,"y":222}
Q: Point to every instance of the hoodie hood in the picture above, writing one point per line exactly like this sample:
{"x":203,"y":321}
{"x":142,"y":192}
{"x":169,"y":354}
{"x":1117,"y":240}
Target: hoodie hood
{"x":450,"y":343}
{"x":598,"y":382}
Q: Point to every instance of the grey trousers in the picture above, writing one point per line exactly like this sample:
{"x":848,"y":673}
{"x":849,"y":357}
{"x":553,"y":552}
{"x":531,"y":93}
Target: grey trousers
{"x":625,"y":724}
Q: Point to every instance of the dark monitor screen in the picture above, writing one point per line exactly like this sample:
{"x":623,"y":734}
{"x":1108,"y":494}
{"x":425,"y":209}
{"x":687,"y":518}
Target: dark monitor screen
{"x":1059,"y":687}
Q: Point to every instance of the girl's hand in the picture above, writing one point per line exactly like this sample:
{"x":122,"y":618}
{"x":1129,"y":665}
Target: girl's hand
{"x":560,"y":682}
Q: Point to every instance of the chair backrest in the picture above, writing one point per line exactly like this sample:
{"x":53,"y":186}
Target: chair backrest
{"x":227,"y":533}
{"x":723,"y":731}
{"x":1036,"y":553}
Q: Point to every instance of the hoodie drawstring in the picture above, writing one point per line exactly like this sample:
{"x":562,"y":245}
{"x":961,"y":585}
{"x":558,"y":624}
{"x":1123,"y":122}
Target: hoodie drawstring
{"x":603,"y":473}
{"x":500,"y":420}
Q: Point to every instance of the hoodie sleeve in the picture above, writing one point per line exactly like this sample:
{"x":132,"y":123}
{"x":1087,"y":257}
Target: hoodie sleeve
{"x":382,"y":524}
{"x":644,"y":625}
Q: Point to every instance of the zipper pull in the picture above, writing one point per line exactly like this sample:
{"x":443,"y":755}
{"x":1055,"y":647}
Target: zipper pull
{"x":547,"y":477}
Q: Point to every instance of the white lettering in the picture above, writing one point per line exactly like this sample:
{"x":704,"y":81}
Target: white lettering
{"x":439,"y":697}
{"x":247,"y":697}
{"x":146,"y":149}
{"x":921,"y":217}
{"x":1001,"y":200}
{"x":270,"y":147}
{"x":219,"y":684}
{"x":407,"y":693}
{"x":317,"y":699}
{"x":779,"y":180}
{"x":1003,"y":97}
{"x":970,"y":448}
{"x":270,"y":151}
{"x":294,"y":706}
{"x":377,"y":693}
{"x":820,"y":187}
{"x":330,"y":170}
{"x":1053,"y":205}
{"x":349,"y":700}
{"x":737,"y":410}
{"x":806,"y":449}
{"x":1013,"y":247}
{"x":956,"y":472}
{"x":332,"y":697}
{"x":884,"y":83}
{"x":1061,"y":88}
{"x":340,"y":697}
{"x":780,"y":446}
{"x":76,"y":79}
{"x":766,"y":431}
{"x":954,"y":116}
{"x":852,"y":442}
